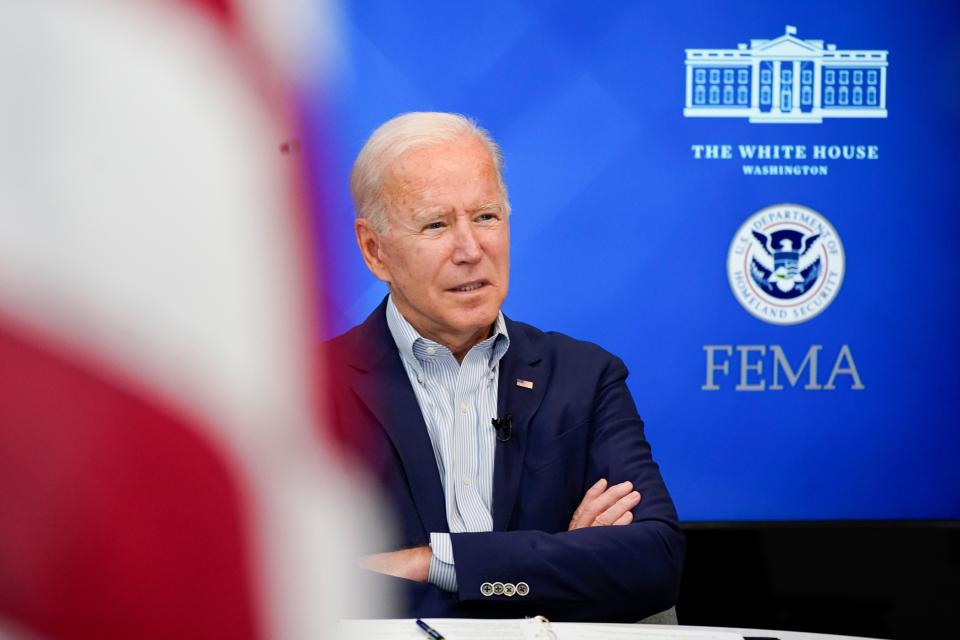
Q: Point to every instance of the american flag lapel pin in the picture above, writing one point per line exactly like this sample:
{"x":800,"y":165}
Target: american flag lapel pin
{"x":526,"y":384}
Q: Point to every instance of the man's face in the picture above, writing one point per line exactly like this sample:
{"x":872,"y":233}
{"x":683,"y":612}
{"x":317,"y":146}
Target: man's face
{"x":446,"y":249}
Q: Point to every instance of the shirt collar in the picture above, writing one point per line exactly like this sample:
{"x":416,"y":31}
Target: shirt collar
{"x":406,"y":337}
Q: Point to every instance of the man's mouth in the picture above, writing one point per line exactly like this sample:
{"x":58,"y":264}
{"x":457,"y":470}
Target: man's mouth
{"x":469,"y":286}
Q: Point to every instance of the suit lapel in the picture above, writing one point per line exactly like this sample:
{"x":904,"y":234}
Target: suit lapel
{"x":522,"y":362}
{"x":382,"y":384}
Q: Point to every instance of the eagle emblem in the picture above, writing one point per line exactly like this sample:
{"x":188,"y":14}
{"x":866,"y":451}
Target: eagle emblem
{"x":787,"y":266}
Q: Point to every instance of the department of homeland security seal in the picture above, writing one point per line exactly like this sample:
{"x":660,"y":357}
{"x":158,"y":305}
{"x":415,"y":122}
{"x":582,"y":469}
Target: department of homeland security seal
{"x":785,"y":264}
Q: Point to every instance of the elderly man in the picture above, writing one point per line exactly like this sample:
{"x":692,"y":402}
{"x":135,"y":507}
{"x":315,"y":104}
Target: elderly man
{"x":514,"y":460}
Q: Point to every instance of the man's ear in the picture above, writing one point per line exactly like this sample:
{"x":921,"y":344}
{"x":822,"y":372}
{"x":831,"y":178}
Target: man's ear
{"x":370,"y":244}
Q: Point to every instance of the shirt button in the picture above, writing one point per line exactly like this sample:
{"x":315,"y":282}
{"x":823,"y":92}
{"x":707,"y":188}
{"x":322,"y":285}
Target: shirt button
{"x":491,"y":375}
{"x":431,"y":350}
{"x":463,"y":407}
{"x":466,"y":480}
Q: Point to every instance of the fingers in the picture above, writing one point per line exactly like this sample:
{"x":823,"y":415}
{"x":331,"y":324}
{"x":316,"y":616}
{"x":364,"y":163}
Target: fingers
{"x":604,"y":504}
{"x":605,"y":501}
{"x":619,"y":509}
{"x":592,"y":494}
{"x":626,"y":518}
{"x":595,"y":491}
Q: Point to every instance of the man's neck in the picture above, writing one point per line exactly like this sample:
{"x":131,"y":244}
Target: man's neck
{"x":459,"y":346}
{"x":461,"y":352}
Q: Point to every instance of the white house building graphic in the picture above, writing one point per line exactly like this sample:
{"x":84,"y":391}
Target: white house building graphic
{"x":786,"y":80}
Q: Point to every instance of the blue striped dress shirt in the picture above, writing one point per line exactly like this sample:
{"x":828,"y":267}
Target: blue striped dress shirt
{"x":457,"y":400}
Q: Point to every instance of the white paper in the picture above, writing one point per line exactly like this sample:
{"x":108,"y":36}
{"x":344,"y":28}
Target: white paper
{"x":450,"y":628}
{"x":468,"y":629}
{"x":584,"y":631}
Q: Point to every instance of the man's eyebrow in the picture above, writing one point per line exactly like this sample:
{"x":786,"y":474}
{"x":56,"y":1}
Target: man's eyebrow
{"x":428,"y":212}
{"x":492,"y":205}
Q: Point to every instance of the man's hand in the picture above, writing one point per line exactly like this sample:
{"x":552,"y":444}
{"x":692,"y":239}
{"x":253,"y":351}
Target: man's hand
{"x":602,"y":506}
{"x":412,"y":563}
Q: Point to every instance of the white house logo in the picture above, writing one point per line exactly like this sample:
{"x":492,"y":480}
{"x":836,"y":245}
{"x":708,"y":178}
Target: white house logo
{"x":785,"y":264}
{"x":786,"y":80}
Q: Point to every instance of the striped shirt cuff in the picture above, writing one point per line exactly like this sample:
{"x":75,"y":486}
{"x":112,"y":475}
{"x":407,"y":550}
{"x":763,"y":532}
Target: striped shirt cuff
{"x":442,"y":572}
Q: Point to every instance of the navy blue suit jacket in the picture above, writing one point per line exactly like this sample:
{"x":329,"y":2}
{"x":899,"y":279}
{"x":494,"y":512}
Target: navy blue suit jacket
{"x":576,"y":425}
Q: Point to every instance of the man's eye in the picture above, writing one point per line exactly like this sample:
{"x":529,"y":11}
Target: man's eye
{"x":433,"y":226}
{"x":486,"y":217}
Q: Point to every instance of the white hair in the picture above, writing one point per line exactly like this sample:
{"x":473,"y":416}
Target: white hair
{"x":399,"y":135}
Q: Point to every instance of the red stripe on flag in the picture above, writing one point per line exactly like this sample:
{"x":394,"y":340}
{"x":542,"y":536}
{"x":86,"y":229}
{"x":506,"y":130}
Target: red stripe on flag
{"x":222,"y":11}
{"x":117,"y":519}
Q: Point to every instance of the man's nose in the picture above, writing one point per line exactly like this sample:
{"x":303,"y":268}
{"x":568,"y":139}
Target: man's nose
{"x":467,"y":247}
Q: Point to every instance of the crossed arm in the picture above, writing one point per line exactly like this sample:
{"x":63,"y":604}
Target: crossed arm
{"x":602,"y":505}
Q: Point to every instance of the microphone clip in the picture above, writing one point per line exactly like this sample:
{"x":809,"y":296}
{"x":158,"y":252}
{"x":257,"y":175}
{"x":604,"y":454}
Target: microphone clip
{"x":504,"y":427}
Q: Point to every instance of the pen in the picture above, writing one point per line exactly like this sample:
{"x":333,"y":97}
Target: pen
{"x":430,"y":631}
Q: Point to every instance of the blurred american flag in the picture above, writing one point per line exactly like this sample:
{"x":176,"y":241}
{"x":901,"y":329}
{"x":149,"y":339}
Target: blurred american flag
{"x":162,"y":473}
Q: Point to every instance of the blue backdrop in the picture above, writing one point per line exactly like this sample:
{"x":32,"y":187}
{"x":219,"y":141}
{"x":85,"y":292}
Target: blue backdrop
{"x":622,"y":226}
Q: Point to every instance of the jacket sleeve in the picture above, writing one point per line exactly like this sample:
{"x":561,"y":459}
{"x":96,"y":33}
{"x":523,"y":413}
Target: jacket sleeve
{"x":616,"y":573}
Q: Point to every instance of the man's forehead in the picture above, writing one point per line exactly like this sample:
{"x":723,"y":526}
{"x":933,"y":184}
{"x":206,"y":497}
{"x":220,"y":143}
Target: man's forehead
{"x":431,"y":172}
{"x":422,"y":164}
